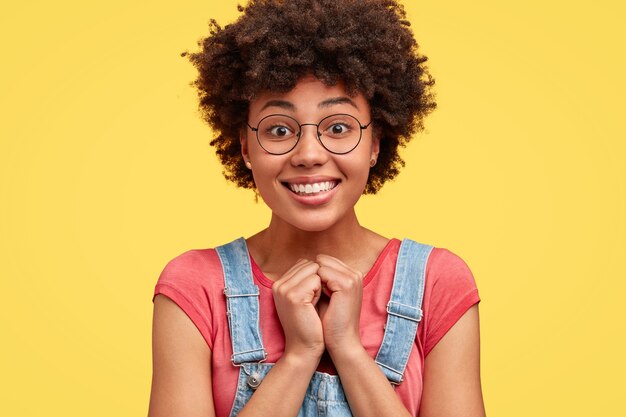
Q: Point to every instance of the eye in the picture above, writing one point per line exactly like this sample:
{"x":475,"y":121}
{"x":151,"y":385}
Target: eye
{"x":279,"y":131}
{"x":277,"y":128}
{"x":338,"y":129}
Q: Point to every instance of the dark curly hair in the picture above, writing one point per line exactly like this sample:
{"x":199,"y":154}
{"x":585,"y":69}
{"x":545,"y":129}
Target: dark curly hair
{"x":366,"y":44}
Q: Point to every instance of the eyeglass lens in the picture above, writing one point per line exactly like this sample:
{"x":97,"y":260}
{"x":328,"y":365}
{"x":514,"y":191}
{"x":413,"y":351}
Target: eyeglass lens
{"x":339,"y":133}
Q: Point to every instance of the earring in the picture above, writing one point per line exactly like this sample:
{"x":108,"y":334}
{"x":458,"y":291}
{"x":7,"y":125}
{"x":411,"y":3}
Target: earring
{"x":372,"y":162}
{"x":248,"y":164}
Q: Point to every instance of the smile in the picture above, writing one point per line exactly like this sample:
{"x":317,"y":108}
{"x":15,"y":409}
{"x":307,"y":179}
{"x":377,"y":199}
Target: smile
{"x":312,"y":188}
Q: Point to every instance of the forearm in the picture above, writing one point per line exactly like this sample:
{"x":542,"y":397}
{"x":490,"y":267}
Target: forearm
{"x":282,"y":390}
{"x":368,"y":391}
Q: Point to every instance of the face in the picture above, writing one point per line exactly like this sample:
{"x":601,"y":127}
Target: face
{"x":280,"y":179}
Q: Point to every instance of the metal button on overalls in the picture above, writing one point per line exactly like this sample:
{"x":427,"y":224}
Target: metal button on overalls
{"x":254,"y":380}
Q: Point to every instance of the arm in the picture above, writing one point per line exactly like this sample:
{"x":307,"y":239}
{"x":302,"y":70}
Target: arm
{"x":452,"y":369}
{"x":282,"y":391}
{"x":181,"y":365}
{"x":181,"y":384}
{"x":452,"y":372}
{"x":368,"y":391}
{"x":451,"y":378}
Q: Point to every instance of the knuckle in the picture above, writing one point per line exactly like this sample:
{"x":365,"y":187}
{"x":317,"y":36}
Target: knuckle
{"x":350,"y":284}
{"x":321,"y":258}
{"x":355,"y":281}
{"x":278,"y":290}
{"x":292,"y":297}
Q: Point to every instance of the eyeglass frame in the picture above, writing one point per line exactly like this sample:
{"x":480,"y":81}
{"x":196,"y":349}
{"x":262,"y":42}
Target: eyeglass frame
{"x":317,"y":130}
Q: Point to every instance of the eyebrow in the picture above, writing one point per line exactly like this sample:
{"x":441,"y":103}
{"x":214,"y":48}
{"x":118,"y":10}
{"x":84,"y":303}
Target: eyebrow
{"x":279,"y":103}
{"x":337,"y":100}
{"x":324,"y":104}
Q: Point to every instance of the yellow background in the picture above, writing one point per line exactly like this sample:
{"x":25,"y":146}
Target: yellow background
{"x":106,"y":174}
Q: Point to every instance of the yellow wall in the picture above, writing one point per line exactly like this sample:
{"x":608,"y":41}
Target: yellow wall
{"x":106,"y":174}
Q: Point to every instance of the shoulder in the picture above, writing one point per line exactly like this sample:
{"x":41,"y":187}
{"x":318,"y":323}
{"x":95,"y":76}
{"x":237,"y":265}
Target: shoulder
{"x":450,"y":290}
{"x":450,"y":282}
{"x":192,"y":265}
{"x":192,"y":280}
{"x":194,"y":275}
{"x":445,"y":266}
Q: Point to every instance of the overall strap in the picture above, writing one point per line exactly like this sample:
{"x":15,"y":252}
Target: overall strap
{"x":242,"y":303}
{"x":404,"y":310}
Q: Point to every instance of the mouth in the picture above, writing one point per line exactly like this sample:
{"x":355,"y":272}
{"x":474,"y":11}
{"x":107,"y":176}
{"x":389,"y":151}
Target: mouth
{"x":311,"y":189}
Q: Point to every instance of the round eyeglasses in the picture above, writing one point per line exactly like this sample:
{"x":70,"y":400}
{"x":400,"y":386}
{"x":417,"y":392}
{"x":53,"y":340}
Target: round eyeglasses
{"x":339,"y":133}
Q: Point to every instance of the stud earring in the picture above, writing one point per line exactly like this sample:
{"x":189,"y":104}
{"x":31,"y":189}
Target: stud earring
{"x":248,"y":164}
{"x":372,"y":162}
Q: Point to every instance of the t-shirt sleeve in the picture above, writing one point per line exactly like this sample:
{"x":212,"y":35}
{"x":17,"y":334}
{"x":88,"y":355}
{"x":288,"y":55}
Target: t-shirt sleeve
{"x":450,"y":291}
{"x":185,"y":281}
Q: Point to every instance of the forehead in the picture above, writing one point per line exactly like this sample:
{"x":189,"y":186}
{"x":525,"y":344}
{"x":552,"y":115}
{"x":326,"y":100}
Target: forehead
{"x":310,"y":95}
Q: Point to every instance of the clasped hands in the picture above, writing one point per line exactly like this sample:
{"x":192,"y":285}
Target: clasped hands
{"x":319,"y":305}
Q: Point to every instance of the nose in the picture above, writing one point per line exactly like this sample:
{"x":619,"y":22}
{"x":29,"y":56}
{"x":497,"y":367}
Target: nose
{"x":309,"y":150}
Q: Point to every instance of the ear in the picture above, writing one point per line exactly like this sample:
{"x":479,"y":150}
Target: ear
{"x":243,"y":140}
{"x":375,"y":147}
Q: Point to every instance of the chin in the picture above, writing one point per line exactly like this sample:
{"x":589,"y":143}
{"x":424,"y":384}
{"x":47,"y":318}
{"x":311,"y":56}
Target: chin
{"x":311,"y":224}
{"x":312,"y":228}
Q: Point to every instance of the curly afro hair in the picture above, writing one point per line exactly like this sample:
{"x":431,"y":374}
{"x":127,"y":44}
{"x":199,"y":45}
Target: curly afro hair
{"x":366,"y":44}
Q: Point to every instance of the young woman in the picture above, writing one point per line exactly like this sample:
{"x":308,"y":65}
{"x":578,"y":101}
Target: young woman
{"x":316,"y":314}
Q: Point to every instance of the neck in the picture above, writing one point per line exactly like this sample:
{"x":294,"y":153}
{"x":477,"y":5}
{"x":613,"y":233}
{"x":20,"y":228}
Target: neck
{"x":278,"y":247}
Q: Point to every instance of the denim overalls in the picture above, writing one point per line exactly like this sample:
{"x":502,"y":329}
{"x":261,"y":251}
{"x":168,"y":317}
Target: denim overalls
{"x":324,"y":395}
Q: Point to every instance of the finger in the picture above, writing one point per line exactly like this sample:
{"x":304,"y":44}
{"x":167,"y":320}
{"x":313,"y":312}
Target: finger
{"x":339,"y":279}
{"x":304,"y":273}
{"x":299,"y":263}
{"x":306,"y":268}
{"x":307,"y":291}
{"x":330,"y":261}
{"x":317,"y":294}
{"x":302,"y":285}
{"x":325,"y":289}
{"x":294,"y":270}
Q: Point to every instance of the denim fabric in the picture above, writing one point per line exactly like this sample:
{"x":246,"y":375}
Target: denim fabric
{"x":404,"y":309}
{"x":324,"y":395}
{"x":242,"y":303}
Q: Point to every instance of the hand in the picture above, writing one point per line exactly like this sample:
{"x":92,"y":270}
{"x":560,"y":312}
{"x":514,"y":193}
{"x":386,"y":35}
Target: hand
{"x":296,"y":294}
{"x":341,"y":313}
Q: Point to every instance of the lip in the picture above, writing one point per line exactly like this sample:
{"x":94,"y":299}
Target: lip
{"x":311,"y":200}
{"x":309,"y":180}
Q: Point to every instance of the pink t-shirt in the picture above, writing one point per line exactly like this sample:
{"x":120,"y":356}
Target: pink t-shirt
{"x":194,"y":281}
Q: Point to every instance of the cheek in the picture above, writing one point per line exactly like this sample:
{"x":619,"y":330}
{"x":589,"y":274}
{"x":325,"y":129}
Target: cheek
{"x":265,"y":172}
{"x":357,"y":173}
{"x":361,"y":173}
{"x":360,"y":164}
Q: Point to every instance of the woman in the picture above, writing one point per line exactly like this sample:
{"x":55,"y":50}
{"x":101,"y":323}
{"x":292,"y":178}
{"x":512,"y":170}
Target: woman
{"x":316,"y":314}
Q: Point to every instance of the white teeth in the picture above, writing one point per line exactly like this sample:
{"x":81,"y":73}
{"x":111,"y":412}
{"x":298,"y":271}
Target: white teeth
{"x":313,"y":188}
